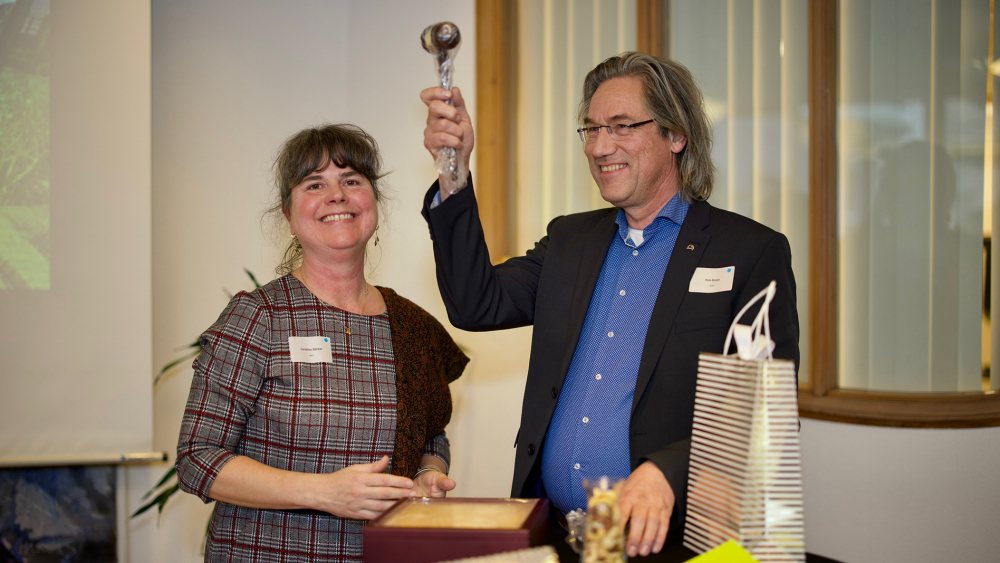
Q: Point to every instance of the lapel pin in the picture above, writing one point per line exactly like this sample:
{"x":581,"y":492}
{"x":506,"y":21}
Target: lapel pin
{"x":690,"y":247}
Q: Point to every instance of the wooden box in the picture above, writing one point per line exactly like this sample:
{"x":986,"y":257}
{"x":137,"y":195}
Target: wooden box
{"x":425,"y":529}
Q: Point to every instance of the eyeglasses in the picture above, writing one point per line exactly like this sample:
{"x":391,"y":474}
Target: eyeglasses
{"x":616,"y":131}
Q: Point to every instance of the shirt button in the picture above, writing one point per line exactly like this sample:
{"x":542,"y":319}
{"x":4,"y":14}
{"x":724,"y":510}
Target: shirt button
{"x":611,"y":334}
{"x":622,"y":293}
{"x":598,"y":377}
{"x":586,"y":419}
{"x":576,"y":466}
{"x":635,"y":253}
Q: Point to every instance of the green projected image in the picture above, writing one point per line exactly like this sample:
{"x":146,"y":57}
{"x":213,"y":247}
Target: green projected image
{"x":24,"y":145}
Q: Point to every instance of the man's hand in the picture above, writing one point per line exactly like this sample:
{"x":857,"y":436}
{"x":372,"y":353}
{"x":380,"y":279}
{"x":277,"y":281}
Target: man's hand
{"x":448,"y":125}
{"x":646,"y":501}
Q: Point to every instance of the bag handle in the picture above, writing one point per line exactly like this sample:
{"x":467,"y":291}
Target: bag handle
{"x":753,"y":341}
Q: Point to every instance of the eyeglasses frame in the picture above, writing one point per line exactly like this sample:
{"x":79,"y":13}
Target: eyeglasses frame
{"x":584,"y":131}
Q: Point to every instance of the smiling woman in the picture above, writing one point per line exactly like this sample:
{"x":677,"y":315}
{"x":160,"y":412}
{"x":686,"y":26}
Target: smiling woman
{"x":333,"y":171}
{"x":314,"y":404}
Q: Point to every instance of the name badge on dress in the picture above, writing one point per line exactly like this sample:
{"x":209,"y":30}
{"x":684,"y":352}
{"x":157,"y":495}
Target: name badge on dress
{"x":712,"y":280}
{"x":310,"y":349}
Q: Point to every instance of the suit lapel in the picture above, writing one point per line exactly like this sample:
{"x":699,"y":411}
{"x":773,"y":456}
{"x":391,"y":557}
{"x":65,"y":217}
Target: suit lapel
{"x":691,"y":243}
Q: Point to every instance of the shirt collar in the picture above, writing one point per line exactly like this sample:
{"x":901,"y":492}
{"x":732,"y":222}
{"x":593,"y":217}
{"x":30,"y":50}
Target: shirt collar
{"x":674,"y":211}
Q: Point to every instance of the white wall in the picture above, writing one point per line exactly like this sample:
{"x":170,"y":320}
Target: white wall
{"x":232,"y":79}
{"x":901,"y":494}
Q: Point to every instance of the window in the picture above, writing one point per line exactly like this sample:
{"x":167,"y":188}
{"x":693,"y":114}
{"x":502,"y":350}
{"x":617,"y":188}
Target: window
{"x":863,"y":131}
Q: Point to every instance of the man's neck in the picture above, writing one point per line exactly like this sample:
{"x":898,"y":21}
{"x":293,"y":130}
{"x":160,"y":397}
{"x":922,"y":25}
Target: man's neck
{"x":641,"y":217}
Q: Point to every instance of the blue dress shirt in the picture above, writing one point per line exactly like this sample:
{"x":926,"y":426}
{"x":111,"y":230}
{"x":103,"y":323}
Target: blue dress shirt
{"x":589,"y":433}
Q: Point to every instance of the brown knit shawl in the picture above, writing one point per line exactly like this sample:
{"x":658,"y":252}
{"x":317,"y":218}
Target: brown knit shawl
{"x":427,"y":360}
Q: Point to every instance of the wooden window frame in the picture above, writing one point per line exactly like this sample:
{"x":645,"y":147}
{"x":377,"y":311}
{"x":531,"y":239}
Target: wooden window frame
{"x":821,"y":399}
{"x":496,"y":97}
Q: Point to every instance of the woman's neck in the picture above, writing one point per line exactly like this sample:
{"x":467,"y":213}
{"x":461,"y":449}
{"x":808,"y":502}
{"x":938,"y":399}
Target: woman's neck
{"x":342,"y":285}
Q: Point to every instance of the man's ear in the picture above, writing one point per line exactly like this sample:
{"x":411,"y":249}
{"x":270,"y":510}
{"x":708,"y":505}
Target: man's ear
{"x":677,"y":141}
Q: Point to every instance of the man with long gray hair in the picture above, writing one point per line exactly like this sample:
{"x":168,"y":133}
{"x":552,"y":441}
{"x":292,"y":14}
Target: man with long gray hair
{"x":622,"y":299}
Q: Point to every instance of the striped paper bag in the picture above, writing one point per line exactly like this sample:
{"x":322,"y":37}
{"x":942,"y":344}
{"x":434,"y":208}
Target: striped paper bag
{"x":745,"y":475}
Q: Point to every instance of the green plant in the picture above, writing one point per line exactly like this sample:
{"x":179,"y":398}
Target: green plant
{"x":167,"y":486}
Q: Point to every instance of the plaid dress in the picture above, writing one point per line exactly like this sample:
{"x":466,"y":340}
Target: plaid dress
{"x":248,"y":398}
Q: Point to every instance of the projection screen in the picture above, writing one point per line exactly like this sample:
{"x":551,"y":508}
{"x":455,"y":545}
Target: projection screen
{"x":75,"y":223}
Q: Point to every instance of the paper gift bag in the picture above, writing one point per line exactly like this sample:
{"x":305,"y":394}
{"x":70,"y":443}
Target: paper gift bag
{"x":745,"y":474}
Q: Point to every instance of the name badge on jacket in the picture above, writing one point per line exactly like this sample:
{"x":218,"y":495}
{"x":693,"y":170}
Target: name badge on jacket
{"x":712,"y":280}
{"x":310,"y":349}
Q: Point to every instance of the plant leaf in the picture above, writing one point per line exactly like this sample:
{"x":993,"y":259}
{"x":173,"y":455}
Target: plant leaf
{"x":252,"y":277}
{"x":193,"y":350}
{"x":160,"y":500}
{"x":163,"y":480}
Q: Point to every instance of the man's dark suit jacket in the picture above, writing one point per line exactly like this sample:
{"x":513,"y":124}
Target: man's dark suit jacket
{"x":551,"y":286}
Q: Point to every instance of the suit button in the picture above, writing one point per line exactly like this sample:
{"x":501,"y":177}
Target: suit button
{"x":531,"y":449}
{"x":555,"y":392}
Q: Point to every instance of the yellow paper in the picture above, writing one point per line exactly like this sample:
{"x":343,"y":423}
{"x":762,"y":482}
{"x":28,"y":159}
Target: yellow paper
{"x":729,"y":552}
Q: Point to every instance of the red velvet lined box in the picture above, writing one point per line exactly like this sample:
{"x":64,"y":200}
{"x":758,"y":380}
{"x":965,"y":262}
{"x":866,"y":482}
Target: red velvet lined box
{"x":426,"y":530}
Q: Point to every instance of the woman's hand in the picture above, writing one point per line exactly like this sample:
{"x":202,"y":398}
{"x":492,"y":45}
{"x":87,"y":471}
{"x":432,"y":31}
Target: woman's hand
{"x":433,"y":483}
{"x":362,"y":491}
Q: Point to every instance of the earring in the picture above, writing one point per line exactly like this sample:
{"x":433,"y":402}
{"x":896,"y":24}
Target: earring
{"x":293,"y":236}
{"x":376,"y":235}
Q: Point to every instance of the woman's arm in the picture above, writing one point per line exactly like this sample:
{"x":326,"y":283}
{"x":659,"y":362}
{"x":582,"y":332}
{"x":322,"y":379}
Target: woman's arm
{"x":361,"y":491}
